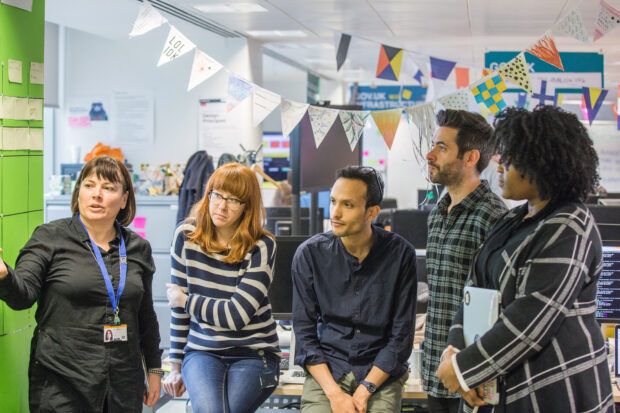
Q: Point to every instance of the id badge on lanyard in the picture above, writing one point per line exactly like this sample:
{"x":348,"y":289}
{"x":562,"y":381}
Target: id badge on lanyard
{"x":115,"y":331}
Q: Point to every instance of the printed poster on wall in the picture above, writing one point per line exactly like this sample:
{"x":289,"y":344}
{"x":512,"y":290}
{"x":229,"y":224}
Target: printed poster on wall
{"x":134,"y":113}
{"x":218,"y":131}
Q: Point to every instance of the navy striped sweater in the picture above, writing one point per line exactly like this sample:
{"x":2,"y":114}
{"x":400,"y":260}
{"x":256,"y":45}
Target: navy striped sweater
{"x":227,"y":305}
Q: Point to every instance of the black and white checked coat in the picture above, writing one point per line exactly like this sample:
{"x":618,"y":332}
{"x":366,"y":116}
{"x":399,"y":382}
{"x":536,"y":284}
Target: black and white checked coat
{"x":546,"y":347}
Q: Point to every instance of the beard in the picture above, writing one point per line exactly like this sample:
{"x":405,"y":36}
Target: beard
{"x":448,"y":174}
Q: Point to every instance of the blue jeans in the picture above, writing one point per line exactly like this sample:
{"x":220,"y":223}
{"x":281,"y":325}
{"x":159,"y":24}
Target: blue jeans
{"x":226,"y":383}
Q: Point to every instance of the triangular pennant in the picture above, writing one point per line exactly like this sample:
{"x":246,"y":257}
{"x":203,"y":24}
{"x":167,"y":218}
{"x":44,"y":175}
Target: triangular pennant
{"x":408,"y":69}
{"x":572,"y":25}
{"x":390,"y":60}
{"x":176,"y":45}
{"x":489,"y":91}
{"x":593,"y":98}
{"x":462,"y":77}
{"x":545,"y":49}
{"x":238,"y":91}
{"x":265,"y":101}
{"x":423,"y":117}
{"x":607,"y":20}
{"x":353,"y":122}
{"x":418,"y":76}
{"x":291,"y":112}
{"x":147,"y":20}
{"x":321,"y":121}
{"x":458,"y":100}
{"x":441,"y":69}
{"x":516,"y":70}
{"x":342,"y":48}
{"x":387,"y":122}
{"x":203,"y":68}
{"x":522,"y":100}
{"x":543,"y":95}
{"x":424,"y":66}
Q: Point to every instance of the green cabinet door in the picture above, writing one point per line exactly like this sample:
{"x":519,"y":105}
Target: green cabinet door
{"x":14,"y":177}
{"x":35,"y":183}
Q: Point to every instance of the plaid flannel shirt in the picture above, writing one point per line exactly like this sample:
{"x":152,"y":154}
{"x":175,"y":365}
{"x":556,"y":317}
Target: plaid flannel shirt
{"x":452,"y":241}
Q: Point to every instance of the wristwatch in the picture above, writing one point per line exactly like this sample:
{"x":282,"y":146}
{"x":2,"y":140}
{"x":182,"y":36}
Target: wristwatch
{"x":369,"y":386}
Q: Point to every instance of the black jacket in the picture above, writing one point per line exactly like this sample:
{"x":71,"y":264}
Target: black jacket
{"x":71,"y":368}
{"x":197,"y":172}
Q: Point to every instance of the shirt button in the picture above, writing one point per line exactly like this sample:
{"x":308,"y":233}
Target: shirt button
{"x":358,"y":331}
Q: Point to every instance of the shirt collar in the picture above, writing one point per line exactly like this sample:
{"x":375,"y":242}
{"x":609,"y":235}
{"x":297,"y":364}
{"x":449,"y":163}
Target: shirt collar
{"x":469,"y":202}
{"x":81,"y":232}
{"x":377,"y":232}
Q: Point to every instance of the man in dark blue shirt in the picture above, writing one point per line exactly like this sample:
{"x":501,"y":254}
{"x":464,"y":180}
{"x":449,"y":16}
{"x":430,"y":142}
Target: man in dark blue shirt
{"x":358,"y":283}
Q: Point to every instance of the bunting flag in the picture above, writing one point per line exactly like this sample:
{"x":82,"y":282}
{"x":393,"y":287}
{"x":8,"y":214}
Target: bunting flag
{"x":409,"y":69}
{"x":291,"y":113}
{"x":353,"y":122}
{"x":441,"y":69}
{"x":203,"y":68}
{"x":387,"y":122}
{"x":321,"y":121}
{"x":422,"y":62}
{"x":516,"y":70}
{"x":176,"y":45}
{"x":148,"y":19}
{"x":593,"y":98}
{"x":557,"y":101}
{"x":238,"y":91}
{"x":462,"y":77}
{"x":489,"y":91}
{"x":607,"y":20}
{"x":458,"y":100}
{"x":265,"y":101}
{"x":390,"y":60}
{"x":522,"y":101}
{"x":343,"y":41}
{"x":542,"y":95}
{"x":572,"y":25}
{"x":418,"y":76}
{"x":545,"y":49}
{"x":423,"y":117}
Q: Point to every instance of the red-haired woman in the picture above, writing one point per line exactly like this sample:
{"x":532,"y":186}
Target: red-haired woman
{"x":223,"y":338}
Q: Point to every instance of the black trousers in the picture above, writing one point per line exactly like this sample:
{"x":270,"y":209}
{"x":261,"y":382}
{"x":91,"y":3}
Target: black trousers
{"x":443,"y":405}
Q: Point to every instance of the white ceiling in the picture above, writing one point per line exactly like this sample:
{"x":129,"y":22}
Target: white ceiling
{"x":457,"y":30}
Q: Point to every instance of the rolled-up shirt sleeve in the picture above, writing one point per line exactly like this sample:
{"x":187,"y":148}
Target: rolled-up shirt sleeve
{"x":305,"y":311}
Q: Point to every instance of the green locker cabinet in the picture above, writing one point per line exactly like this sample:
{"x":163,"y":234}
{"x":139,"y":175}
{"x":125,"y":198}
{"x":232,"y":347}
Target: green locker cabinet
{"x":35,"y":218}
{"x":1,"y":256}
{"x":35,"y":183}
{"x":14,"y":185}
{"x":15,"y":350}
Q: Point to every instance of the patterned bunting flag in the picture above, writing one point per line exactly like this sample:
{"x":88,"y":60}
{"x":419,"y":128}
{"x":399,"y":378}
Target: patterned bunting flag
{"x":423,"y":67}
{"x":522,"y":101}
{"x":423,"y":117}
{"x":176,"y":45}
{"x":238,"y":91}
{"x":291,"y":112}
{"x":462,"y":77}
{"x":203,"y":68}
{"x":353,"y":122}
{"x":516,"y":70}
{"x":321,"y":121}
{"x":572,"y":25}
{"x":542,"y":95}
{"x":545,"y":49}
{"x":489,"y":91}
{"x":342,"y":48}
{"x":147,"y":20}
{"x":593,"y":99}
{"x":607,"y":20}
{"x":458,"y":100}
{"x":441,"y":69}
{"x":387,"y":122}
{"x":390,"y":59}
{"x":265,"y":101}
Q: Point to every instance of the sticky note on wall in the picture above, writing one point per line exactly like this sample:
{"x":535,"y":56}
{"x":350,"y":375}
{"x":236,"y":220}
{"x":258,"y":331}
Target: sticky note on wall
{"x":139,"y":222}
{"x":15,"y":71}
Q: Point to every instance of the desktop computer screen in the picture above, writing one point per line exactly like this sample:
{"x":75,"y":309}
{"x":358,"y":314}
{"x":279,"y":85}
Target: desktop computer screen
{"x":281,"y":289}
{"x":276,"y":155}
{"x":608,"y":290}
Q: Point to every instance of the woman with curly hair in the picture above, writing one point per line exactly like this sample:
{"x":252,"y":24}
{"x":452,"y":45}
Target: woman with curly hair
{"x":223,"y":338}
{"x":544,"y":257}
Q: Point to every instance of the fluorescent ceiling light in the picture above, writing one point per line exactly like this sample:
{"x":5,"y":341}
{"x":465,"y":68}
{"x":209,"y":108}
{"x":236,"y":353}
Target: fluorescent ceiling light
{"x":231,"y":8}
{"x":276,"y":33}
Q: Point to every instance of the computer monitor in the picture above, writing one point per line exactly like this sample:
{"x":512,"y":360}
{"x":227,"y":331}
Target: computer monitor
{"x":281,"y":218}
{"x":281,"y":289}
{"x":276,"y":155}
{"x":411,"y":224}
{"x":608,"y":222}
{"x":608,"y":289}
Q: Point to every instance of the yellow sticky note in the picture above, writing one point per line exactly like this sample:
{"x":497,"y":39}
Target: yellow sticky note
{"x":15,"y":71}
{"x":1,"y":107}
{"x":14,"y":139}
{"x":15,"y":108}
{"x":35,"y":142}
{"x":35,"y":109}
{"x":407,"y":94}
{"x":36,"y":73}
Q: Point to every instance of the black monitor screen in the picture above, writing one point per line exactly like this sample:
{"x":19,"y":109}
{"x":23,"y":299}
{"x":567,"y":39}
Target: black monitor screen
{"x":411,"y":224}
{"x":276,"y":155}
{"x":281,"y":289}
{"x":608,"y":292}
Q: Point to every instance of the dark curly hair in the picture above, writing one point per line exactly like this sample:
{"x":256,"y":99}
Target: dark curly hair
{"x":552,"y":147}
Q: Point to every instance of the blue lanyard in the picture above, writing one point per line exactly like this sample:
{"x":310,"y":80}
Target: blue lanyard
{"x":104,"y":271}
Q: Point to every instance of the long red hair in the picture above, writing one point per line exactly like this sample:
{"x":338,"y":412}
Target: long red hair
{"x":241,"y":182}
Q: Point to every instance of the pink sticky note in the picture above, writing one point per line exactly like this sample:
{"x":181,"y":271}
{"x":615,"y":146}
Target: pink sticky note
{"x":381,"y":161}
{"x":142,"y":234}
{"x":73,"y":121}
{"x":84,"y":121}
{"x":139,"y":222}
{"x":365,"y":153}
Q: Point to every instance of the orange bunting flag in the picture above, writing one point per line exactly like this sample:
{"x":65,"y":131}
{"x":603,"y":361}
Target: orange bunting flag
{"x":387,"y":122}
{"x":545,"y":50}
{"x":462,"y":77}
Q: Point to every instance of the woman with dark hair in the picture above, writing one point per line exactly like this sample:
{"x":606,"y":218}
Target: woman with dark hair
{"x":544,"y":257}
{"x":223,"y":338}
{"x":89,"y":275}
